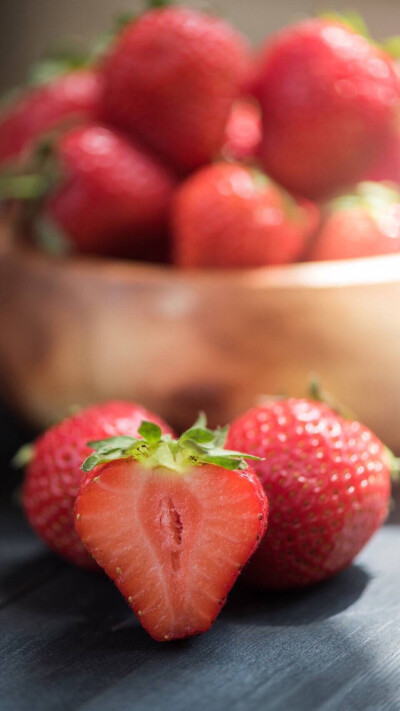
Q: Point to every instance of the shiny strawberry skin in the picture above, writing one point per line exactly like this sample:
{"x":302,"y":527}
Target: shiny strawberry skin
{"x":65,"y":100}
{"x":330,"y":102}
{"x":387,"y":166}
{"x":114,"y":196}
{"x":243,"y":131}
{"x":328,"y":484}
{"x":171,"y":79}
{"x":362,"y":223}
{"x":353,"y":233}
{"x":173,"y":543}
{"x":54,"y":475}
{"x":228,"y":215}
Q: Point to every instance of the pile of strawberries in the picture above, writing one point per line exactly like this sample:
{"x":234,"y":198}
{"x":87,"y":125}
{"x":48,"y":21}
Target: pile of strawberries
{"x":290,"y":486}
{"x":179,"y":144}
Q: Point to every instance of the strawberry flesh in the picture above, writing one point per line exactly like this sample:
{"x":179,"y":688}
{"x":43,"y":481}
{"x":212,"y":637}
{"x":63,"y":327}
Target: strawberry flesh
{"x":173,"y":544}
{"x":170,"y":529}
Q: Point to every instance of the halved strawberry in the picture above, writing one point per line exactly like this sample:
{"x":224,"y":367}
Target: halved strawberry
{"x":172,"y":522}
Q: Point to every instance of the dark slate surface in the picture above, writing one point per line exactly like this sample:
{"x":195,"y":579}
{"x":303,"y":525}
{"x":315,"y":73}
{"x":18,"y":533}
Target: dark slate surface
{"x":68,"y":641}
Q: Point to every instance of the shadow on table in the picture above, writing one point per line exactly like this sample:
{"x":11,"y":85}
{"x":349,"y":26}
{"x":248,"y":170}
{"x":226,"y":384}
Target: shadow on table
{"x":298,"y":607}
{"x":394,"y":512}
{"x":85,"y":629}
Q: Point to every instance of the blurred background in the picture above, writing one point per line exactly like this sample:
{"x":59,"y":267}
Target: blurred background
{"x":348,"y":333}
{"x":28,"y":27}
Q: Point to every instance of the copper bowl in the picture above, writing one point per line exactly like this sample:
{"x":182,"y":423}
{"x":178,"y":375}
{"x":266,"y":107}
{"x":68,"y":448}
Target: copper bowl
{"x":81,"y":330}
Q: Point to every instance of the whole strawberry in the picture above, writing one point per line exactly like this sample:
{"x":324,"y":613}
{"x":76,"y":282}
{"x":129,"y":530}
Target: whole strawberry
{"x":363,"y":223}
{"x":171,"y":78}
{"x":112,"y":197}
{"x":328,"y":484}
{"x":230,"y":215}
{"x":53,"y":475}
{"x":243,"y":131}
{"x":330,"y":100}
{"x":172,"y":522}
{"x":387,"y":166}
{"x":68,"y":98}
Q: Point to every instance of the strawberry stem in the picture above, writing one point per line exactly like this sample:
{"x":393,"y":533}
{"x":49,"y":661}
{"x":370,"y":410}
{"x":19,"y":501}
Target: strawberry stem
{"x":152,"y":4}
{"x":394,"y":464}
{"x":198,"y":445}
{"x":23,"y":187}
{"x":316,"y":392}
{"x":23,"y":457}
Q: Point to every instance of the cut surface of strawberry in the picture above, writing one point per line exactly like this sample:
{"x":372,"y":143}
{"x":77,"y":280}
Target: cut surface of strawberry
{"x":172,"y":522}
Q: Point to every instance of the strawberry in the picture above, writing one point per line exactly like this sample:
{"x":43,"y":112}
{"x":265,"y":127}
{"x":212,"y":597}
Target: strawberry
{"x":171,"y":78}
{"x":387,"y":166}
{"x":53,"y":474}
{"x":68,"y":98}
{"x":230,"y":215}
{"x":112,"y":196}
{"x":172,"y":522}
{"x":328,"y":483}
{"x":363,"y":223}
{"x":242,"y":131}
{"x":329,"y":100}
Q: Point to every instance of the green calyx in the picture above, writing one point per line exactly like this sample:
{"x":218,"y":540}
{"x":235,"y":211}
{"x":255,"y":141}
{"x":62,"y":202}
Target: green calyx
{"x":262,"y":181}
{"x":23,"y":457}
{"x":55,"y":63}
{"x":394,"y":465}
{"x":63,"y":60}
{"x":33,"y":181}
{"x":353,"y":20}
{"x":319,"y":394}
{"x":152,"y":4}
{"x":23,"y":186}
{"x":375,"y":198}
{"x":198,"y":445}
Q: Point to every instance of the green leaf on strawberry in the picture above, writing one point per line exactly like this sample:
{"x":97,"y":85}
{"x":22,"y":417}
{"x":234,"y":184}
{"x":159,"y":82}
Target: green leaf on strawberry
{"x":197,"y":445}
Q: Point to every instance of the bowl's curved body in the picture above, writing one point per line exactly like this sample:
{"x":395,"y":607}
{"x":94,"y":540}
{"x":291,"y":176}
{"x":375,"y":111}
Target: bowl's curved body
{"x":81,"y":330}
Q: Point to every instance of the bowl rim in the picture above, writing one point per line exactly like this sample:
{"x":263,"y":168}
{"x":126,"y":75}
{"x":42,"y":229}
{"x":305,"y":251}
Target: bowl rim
{"x":381,"y":269}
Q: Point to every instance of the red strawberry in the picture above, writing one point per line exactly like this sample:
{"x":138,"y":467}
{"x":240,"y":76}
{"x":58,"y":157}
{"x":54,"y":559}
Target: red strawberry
{"x":113,"y":197}
{"x":53,"y":475}
{"x":361,"y":224}
{"x":243,"y":131}
{"x":37,"y":111}
{"x":172,"y":522}
{"x":229,"y":215}
{"x":328,"y":484}
{"x":329,"y":100}
{"x":171,"y":78}
{"x":387,"y":167}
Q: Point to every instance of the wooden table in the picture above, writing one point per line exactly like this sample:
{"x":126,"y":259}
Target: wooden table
{"x":68,"y":641}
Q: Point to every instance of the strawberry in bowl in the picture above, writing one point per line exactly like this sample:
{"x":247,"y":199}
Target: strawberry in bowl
{"x":361,"y":223}
{"x":229,"y":215}
{"x":71,"y":98}
{"x":330,"y":100}
{"x":171,"y":79}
